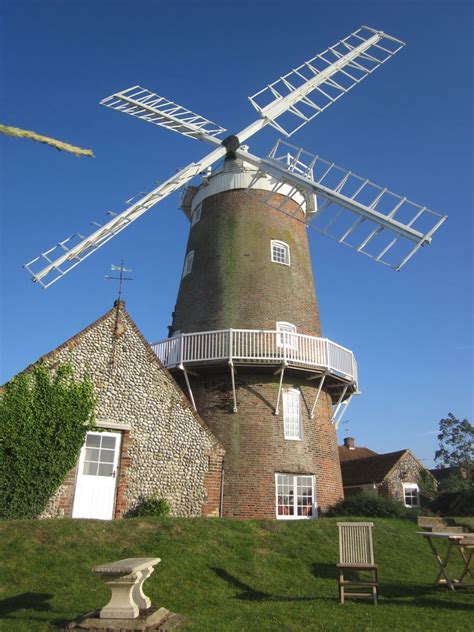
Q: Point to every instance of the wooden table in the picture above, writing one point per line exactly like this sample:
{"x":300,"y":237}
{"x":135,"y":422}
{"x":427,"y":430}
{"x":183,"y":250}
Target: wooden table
{"x":464,"y":543}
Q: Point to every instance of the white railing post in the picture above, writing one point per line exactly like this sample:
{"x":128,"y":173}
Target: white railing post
{"x":181,"y":348}
{"x":231,"y":345}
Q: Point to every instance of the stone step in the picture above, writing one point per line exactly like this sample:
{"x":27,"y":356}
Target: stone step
{"x":429,"y":521}
{"x":448,"y":530}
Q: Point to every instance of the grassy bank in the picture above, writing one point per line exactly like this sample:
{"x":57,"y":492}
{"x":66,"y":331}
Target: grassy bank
{"x":224,"y":575}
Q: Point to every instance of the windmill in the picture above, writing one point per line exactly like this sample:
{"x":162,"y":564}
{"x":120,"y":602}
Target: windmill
{"x":245,"y":342}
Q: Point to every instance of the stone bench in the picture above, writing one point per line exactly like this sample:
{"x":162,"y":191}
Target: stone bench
{"x":125,"y":579}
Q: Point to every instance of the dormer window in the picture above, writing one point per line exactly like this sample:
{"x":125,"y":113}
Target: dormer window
{"x":196,"y":214}
{"x":188,"y":263}
{"x":280,"y":252}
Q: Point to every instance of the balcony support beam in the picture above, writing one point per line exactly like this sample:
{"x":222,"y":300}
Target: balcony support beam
{"x":321,"y":384}
{"x":338,"y":405}
{"x":232,"y":377}
{"x":281,"y":370}
{"x":343,"y":411}
{"x":191,"y":396}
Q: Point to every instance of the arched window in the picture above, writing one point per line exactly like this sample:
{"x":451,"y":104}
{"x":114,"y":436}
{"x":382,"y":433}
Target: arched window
{"x":188,"y":263}
{"x":286,"y":337}
{"x":196,"y":214}
{"x":280,"y":252}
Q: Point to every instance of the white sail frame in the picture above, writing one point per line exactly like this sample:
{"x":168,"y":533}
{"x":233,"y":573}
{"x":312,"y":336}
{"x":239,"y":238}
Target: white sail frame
{"x":375,"y":208}
{"x":326,"y":77}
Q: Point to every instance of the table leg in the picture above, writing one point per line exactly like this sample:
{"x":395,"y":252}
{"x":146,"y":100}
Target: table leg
{"x":467,"y":562}
{"x":442,"y":564}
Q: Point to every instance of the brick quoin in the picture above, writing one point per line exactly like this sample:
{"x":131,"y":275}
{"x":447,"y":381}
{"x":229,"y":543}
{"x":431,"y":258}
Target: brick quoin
{"x":233,"y":283}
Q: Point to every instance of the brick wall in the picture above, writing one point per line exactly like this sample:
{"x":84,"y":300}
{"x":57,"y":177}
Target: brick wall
{"x":213,"y":480}
{"x":233,"y":282}
{"x":125,"y":461}
{"x":254,"y":440}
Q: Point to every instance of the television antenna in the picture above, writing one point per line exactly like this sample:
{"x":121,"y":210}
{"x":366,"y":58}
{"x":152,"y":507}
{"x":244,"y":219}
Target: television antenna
{"x":369,"y":218}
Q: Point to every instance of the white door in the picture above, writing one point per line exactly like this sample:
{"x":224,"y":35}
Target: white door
{"x":97,"y":476}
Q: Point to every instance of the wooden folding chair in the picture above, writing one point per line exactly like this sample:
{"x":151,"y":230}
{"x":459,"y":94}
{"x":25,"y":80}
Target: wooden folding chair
{"x":356,"y":553}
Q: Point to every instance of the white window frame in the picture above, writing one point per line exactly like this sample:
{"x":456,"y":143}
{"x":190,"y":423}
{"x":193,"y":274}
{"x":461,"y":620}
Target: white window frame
{"x":292,"y":425}
{"x":285,"y":338}
{"x":294,"y":486}
{"x":411,"y":487}
{"x":275,"y":243}
{"x":196,"y":216}
{"x":188,"y":263}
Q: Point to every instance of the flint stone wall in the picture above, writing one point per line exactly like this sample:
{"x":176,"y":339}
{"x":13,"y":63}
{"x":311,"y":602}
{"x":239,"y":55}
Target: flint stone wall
{"x":407,"y":470}
{"x":168,"y":451}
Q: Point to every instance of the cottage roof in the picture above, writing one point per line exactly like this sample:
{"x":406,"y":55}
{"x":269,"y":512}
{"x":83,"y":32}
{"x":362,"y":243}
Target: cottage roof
{"x":371,"y":469}
{"x":349,"y":454}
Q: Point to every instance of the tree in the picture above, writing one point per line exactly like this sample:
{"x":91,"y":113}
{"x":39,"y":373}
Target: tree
{"x":57,"y":144}
{"x":44,"y":417}
{"x":456,"y":445}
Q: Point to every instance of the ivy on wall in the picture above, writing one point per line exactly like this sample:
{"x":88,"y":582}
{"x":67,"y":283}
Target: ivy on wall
{"x":44,"y":417}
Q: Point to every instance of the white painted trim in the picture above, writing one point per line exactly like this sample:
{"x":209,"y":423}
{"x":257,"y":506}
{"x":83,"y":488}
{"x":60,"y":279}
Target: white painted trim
{"x":287,"y":393}
{"x":313,"y":491}
{"x":112,"y":425}
{"x":245,"y":177}
{"x":188,"y":263}
{"x":196,"y":216}
{"x":222,"y":345}
{"x":416,"y":488}
{"x":290,"y":341}
{"x":83,"y":492}
{"x":280,"y":244}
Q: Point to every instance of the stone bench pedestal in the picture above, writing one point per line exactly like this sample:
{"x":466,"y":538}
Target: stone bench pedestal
{"x":129,"y":609}
{"x":125,"y":579}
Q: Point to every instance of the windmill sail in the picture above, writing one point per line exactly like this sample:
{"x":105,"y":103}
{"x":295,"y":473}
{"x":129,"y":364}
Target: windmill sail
{"x":380,"y":220}
{"x":353,"y":210}
{"x":299,"y":96}
{"x":150,"y":107}
{"x":53,"y":264}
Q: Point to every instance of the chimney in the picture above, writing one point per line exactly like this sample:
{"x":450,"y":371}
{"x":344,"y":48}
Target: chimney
{"x":349,"y":443}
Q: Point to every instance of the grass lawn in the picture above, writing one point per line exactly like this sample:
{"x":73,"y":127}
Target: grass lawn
{"x":224,"y":575}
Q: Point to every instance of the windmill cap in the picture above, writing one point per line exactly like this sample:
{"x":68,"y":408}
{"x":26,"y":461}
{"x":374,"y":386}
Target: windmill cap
{"x":234,"y":174}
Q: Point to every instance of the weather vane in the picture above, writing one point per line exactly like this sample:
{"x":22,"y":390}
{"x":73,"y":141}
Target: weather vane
{"x":121,"y":278}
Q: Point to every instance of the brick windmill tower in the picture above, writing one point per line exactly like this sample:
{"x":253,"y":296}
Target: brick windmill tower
{"x":245,"y":342}
{"x":246,"y":338}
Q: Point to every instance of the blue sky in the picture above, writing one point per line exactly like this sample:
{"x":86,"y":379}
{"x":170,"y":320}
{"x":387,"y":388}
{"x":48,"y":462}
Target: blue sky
{"x":408,"y":127}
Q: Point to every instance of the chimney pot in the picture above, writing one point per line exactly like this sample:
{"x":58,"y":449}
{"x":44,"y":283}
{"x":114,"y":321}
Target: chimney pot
{"x":349,"y":443}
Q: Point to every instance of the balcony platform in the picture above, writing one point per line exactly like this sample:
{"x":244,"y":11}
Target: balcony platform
{"x":318,"y":359}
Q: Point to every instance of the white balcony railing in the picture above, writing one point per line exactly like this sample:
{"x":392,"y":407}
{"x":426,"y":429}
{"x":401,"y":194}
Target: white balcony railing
{"x":260,"y":346}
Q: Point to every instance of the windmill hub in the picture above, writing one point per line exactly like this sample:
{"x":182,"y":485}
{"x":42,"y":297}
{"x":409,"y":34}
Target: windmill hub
{"x":231,"y":143}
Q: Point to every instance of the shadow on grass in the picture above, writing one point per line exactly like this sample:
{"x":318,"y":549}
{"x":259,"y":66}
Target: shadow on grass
{"x":250,"y":594}
{"x":405,"y":593}
{"x":25,"y":601}
{"x":323,"y":570}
